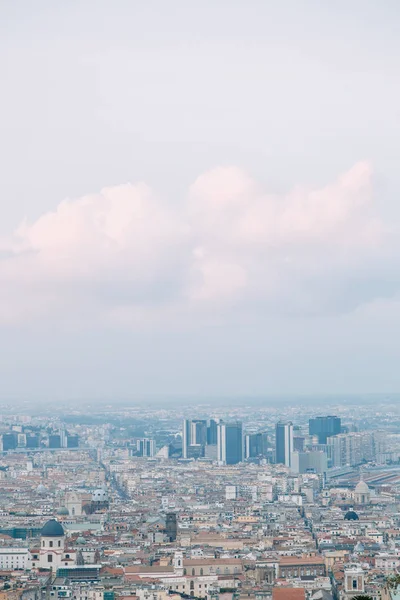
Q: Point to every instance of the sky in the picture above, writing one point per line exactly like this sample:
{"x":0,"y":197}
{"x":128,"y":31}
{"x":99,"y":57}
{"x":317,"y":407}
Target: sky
{"x":199,"y":198}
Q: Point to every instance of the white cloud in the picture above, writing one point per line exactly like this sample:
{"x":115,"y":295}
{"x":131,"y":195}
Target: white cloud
{"x":125,"y":254}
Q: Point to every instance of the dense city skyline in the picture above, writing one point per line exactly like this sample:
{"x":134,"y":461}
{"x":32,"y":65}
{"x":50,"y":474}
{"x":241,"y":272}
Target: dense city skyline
{"x":269,"y":502}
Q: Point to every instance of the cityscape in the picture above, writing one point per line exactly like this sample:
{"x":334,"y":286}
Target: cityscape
{"x":199,"y":300}
{"x":237,"y":502}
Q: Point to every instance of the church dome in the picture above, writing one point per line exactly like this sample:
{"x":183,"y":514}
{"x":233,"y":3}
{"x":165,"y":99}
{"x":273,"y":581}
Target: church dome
{"x":81,"y":540}
{"x":52,"y":529}
{"x":359,"y":547}
{"x":351,"y":515}
{"x":100,"y":495}
{"x":63,"y":511}
{"x":362,"y":488}
{"x":41,"y":489}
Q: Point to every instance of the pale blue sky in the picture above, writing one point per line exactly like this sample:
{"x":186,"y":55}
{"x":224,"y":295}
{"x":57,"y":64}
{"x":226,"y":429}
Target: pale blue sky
{"x":196,"y":299}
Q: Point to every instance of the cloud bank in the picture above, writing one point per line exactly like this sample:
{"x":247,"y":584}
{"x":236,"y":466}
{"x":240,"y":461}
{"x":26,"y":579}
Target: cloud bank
{"x":125,"y":254}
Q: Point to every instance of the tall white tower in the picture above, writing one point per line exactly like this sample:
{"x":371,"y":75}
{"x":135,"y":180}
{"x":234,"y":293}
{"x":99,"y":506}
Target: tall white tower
{"x":178,"y":563}
{"x":284,"y":443}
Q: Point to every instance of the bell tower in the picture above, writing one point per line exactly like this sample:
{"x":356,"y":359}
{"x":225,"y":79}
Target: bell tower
{"x":178,"y":563}
{"x":353,"y":581}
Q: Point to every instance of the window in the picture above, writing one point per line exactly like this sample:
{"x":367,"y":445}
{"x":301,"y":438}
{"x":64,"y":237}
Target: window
{"x":354,"y":584}
{"x":49,"y":558}
{"x":184,"y":571}
{"x":43,"y":543}
{"x":67,"y":556}
{"x":59,"y":543}
{"x":192,"y":571}
{"x":201,"y":571}
{"x":51,"y":543}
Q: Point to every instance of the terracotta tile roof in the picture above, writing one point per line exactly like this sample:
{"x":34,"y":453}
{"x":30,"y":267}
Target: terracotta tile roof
{"x":201,"y":562}
{"x":147,"y":569}
{"x":285,"y":593}
{"x":302,"y":560}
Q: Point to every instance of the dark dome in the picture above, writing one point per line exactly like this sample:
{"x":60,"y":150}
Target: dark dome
{"x":351,"y":516}
{"x":63,"y":511}
{"x":52,"y":529}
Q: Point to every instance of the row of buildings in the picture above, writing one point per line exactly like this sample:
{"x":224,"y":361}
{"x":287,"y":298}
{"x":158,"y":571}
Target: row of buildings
{"x":220,"y":441}
{"x":19,"y":439}
{"x":326,"y":445}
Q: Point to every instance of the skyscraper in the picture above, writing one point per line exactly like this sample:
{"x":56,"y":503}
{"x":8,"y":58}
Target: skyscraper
{"x":10,"y":441}
{"x":212,"y":432}
{"x":324,"y":427}
{"x":194,"y":438}
{"x":54,"y":441}
{"x":32,"y":441}
{"x":63,"y":438}
{"x":72,"y":441}
{"x":146,"y":447}
{"x":230,"y":443}
{"x":284,"y":443}
{"x":255,"y":444}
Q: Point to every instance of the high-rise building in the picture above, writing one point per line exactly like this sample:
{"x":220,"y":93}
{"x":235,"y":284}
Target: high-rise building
{"x":351,"y":449}
{"x":194,"y":438}
{"x":284,"y":443}
{"x":63,"y":438}
{"x":231,"y":492}
{"x":146,"y":447}
{"x":54,"y":441}
{"x":255,"y":444}
{"x":21,"y":440}
{"x":324,"y":427}
{"x":32,"y":441}
{"x":230,"y":443}
{"x":298,"y":443}
{"x":72,"y":441}
{"x":185,"y":437}
{"x":212,"y":432}
{"x":10,"y":441}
